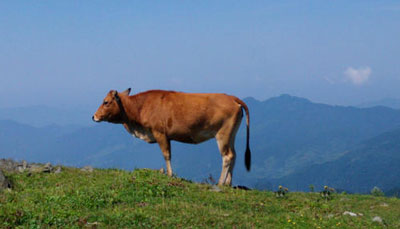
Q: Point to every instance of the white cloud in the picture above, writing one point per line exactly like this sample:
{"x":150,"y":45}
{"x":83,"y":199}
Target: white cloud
{"x":358,"y":76}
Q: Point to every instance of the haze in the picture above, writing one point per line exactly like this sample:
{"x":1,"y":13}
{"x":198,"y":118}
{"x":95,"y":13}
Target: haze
{"x":71,"y":53}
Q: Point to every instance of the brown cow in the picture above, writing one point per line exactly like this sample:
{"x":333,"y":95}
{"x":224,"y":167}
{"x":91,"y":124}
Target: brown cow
{"x":161,"y":116}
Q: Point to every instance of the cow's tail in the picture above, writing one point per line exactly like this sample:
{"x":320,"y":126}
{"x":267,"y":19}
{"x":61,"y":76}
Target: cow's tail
{"x":247,"y":154}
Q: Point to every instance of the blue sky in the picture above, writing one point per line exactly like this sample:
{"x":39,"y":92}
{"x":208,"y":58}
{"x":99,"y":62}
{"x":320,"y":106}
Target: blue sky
{"x":71,"y":53}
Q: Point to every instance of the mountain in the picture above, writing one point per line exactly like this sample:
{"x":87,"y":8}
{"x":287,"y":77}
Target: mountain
{"x":387,"y":102}
{"x":375,"y":162}
{"x":23,"y":141}
{"x":288,"y":134}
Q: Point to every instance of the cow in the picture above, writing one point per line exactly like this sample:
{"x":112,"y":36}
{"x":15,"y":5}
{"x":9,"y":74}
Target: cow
{"x":159,"y":116}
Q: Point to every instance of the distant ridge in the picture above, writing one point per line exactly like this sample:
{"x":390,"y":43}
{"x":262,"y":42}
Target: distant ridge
{"x":387,"y":102}
{"x":375,"y":162}
{"x":286,"y":98}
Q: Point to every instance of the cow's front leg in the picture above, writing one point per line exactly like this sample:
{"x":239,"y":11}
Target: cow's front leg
{"x":165,"y":146}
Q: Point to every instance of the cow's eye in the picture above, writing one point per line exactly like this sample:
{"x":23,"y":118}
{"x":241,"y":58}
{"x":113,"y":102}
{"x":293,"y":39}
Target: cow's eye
{"x":105,"y":102}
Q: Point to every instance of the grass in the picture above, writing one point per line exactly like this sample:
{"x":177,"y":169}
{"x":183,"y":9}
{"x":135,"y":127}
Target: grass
{"x":109,"y":198}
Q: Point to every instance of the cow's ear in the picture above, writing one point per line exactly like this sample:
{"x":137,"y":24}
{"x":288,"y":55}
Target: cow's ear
{"x":126,"y":92}
{"x":115,"y":95}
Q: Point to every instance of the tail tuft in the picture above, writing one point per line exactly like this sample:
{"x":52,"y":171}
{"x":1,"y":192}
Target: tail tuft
{"x":247,"y":159}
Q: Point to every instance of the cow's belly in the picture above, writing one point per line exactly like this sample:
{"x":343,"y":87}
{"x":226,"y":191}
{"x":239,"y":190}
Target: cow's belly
{"x":144,"y":135}
{"x":194,"y":138}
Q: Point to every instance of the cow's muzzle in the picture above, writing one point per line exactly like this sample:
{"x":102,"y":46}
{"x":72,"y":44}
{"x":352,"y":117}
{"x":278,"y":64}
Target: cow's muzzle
{"x":95,"y":119}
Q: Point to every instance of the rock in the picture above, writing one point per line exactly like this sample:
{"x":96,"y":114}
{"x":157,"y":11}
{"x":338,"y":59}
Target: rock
{"x":35,"y":168}
{"x":47,"y":168}
{"x":24,"y":164}
{"x":94,"y":224}
{"x":21,"y":167}
{"x":4,"y":182}
{"x":58,"y":170}
{"x":385,"y":205}
{"x":377,"y":219}
{"x":162,"y":170}
{"x":87,"y":168}
{"x":349,"y":213}
{"x":8,"y":165}
{"x":215,"y":188}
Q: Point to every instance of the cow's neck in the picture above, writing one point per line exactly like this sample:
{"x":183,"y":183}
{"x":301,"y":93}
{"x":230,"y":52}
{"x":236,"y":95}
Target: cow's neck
{"x":131,"y":108}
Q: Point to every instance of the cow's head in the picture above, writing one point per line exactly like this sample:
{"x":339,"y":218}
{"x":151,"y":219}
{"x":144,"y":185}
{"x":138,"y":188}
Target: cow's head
{"x":110,"y":109}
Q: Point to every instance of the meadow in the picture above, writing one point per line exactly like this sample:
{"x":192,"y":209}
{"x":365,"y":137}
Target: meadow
{"x":111,"y":198}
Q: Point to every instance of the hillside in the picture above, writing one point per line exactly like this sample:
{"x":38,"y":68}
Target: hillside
{"x":288,"y":134}
{"x":146,"y":198}
{"x":375,"y":162}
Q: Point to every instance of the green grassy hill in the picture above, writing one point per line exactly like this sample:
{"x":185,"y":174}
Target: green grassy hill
{"x":145,"y":198}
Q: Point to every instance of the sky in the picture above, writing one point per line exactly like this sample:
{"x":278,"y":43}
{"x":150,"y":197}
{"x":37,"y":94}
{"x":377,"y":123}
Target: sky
{"x":71,"y":53}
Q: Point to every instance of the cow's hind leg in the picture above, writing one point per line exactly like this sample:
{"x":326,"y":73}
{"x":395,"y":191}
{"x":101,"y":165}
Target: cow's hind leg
{"x":226,"y":144}
{"x":229,"y":175}
{"x":165,"y":146}
{"x":228,"y":159}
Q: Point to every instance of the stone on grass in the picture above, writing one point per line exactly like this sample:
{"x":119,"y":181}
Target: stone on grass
{"x":58,"y":170}
{"x":349,"y":213}
{"x":21,"y":167}
{"x":377,"y":219}
{"x":47,"y":168}
{"x":215,"y":188}
{"x":35,"y":168}
{"x":385,"y":205}
{"x":87,"y":168}
{"x":8,"y":165}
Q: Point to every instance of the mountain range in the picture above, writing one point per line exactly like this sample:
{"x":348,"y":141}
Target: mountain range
{"x":374,"y":162}
{"x":294,"y":142}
